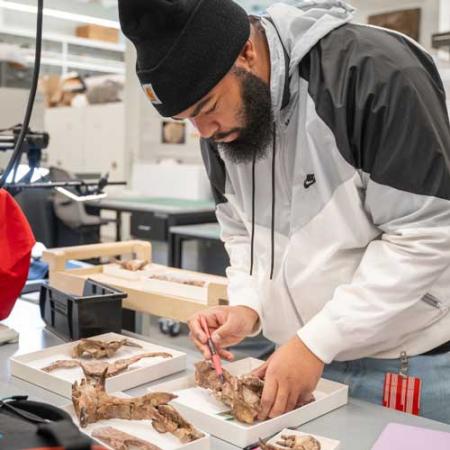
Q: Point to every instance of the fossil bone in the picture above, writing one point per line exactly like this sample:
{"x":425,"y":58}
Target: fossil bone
{"x":61,"y":364}
{"x":96,"y":368}
{"x":92,"y":403}
{"x":133,"y":265}
{"x":293,"y":442}
{"x":119,"y":440}
{"x":170,"y":420}
{"x":91,"y":348}
{"x":241,"y":394}
{"x":177,"y":279}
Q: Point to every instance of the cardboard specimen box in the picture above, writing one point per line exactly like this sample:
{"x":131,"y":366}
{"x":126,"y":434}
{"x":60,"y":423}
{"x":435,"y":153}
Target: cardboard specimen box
{"x":98,"y":32}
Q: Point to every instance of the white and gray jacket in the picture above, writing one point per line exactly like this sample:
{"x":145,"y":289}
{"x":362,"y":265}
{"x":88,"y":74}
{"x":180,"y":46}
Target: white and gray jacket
{"x":361,"y":200}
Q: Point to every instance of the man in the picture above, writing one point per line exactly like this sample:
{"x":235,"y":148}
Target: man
{"x":327,"y":146}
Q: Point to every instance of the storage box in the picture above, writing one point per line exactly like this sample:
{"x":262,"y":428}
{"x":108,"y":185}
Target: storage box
{"x":325,"y":443}
{"x":143,"y":430}
{"x":28,"y":366}
{"x":200,"y":407}
{"x":171,"y":304}
{"x":98,"y":32}
{"x":97,"y":311}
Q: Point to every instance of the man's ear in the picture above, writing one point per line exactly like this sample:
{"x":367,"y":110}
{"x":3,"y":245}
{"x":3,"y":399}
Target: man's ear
{"x":247,"y":58}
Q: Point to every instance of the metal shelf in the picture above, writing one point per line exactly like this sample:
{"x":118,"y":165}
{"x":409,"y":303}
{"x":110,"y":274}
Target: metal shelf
{"x":71,"y":40}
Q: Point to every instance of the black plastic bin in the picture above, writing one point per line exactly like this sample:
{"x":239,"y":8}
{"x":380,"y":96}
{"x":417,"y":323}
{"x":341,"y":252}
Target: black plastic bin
{"x":97,"y":311}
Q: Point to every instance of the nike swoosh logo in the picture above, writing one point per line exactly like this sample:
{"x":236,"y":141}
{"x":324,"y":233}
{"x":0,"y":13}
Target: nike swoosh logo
{"x":310,"y":180}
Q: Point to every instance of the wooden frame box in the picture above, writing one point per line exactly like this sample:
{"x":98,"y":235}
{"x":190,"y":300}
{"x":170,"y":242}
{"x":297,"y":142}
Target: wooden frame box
{"x":166,"y":299}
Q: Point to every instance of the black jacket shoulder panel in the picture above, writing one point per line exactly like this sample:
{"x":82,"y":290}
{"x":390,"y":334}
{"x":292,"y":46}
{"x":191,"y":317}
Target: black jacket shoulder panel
{"x":383,"y":99}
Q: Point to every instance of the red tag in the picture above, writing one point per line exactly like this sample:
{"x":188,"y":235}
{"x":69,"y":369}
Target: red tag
{"x":402,"y":393}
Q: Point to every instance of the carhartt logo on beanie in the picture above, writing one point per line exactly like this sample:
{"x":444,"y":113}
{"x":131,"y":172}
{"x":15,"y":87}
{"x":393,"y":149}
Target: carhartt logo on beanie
{"x":184,"y":47}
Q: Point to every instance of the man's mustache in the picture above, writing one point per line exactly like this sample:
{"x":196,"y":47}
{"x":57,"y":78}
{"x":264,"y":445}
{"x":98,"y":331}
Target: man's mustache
{"x":225,"y":134}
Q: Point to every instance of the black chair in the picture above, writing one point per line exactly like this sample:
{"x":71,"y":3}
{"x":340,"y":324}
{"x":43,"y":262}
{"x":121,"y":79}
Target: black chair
{"x":37,"y":205}
{"x":74,"y":226}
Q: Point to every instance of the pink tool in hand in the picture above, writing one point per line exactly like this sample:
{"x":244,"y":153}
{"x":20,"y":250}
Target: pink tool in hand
{"x":212,"y":348}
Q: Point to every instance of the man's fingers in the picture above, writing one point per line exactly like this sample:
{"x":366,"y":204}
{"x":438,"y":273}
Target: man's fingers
{"x":204,"y":349}
{"x":197,"y":330}
{"x":260,"y":372}
{"x":268,"y":397}
{"x":292,"y":401}
{"x":225,"y":354}
{"x":281,"y":400}
{"x":304,"y":399}
{"x":201,"y":347}
{"x":226,"y":333}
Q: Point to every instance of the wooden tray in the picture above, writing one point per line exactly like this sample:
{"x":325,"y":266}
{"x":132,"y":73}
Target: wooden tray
{"x":167,"y":299}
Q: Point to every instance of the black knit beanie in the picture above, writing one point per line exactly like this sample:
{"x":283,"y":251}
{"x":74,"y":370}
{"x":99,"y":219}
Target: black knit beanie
{"x":184,"y":47}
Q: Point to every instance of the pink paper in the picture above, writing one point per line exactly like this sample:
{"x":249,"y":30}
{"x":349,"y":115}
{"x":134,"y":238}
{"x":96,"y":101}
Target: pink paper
{"x":405,"y":437}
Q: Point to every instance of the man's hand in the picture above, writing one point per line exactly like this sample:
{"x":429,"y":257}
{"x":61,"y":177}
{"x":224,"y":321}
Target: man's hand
{"x":291,"y":374}
{"x":229,"y":325}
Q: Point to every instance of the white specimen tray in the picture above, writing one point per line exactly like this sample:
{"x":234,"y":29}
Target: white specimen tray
{"x":325,"y":443}
{"x":28,"y":366}
{"x":142,"y":429}
{"x":200,"y":407}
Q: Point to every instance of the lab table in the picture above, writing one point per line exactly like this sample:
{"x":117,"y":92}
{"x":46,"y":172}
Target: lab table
{"x":151,"y":217}
{"x":357,"y":424}
{"x":180,"y":233}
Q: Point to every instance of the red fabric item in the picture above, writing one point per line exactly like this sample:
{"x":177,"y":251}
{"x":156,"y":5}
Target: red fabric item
{"x":16,"y":242}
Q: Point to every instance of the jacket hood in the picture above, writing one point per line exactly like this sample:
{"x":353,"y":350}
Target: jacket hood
{"x":302,"y":25}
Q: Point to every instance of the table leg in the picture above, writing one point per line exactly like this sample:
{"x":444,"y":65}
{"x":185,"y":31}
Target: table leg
{"x":118,"y":226}
{"x":171,"y":250}
{"x":178,"y":251}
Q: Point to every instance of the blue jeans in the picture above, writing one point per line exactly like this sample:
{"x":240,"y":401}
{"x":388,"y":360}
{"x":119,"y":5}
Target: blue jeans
{"x":365,"y":378}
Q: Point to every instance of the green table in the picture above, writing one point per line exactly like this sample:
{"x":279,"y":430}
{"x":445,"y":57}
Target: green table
{"x":151,"y":217}
{"x":179,"y":234}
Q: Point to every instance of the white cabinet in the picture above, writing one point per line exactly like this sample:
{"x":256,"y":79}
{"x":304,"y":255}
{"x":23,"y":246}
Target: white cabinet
{"x":87,"y":139}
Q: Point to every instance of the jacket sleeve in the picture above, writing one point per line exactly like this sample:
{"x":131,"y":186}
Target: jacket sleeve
{"x":242,"y":290}
{"x":400,"y":138}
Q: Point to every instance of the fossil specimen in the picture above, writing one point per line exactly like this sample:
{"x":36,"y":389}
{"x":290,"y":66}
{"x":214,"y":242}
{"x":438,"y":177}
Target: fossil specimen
{"x":241,"y":394}
{"x":176,"y":279}
{"x":293,"y":442}
{"x":96,"y":368}
{"x":133,"y":264}
{"x":119,"y":440}
{"x":92,"y":403}
{"x":61,"y":364}
{"x":169,"y":420}
{"x":91,"y":348}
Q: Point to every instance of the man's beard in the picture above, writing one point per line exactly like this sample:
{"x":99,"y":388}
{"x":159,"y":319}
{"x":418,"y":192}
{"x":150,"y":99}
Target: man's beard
{"x":256,"y":133}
